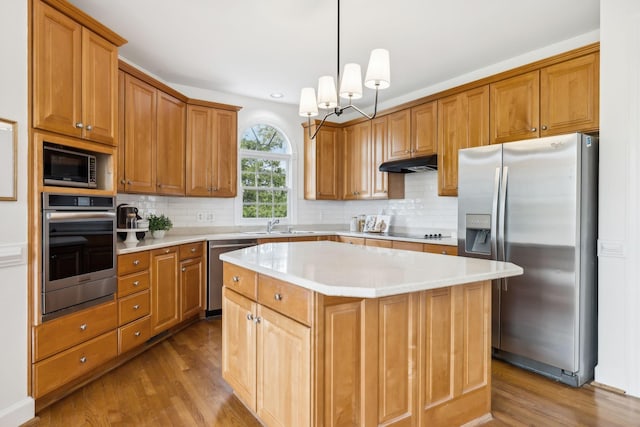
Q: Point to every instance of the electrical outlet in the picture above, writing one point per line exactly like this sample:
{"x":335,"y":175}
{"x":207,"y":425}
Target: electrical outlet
{"x":209,"y":217}
{"x":200,"y":217}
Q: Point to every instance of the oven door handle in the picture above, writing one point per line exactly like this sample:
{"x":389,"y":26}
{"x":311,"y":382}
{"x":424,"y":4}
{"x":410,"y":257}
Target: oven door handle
{"x":79,"y":215}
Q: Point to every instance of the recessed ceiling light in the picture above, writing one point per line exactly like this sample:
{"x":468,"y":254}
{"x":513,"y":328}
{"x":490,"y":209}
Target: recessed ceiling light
{"x":276,"y":95}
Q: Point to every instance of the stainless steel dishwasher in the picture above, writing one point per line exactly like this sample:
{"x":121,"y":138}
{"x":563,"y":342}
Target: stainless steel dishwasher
{"x":214,"y":278}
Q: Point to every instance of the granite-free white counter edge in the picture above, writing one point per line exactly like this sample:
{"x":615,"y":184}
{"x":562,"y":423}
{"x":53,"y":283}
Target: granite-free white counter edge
{"x":362,"y":271}
{"x":149,"y":243}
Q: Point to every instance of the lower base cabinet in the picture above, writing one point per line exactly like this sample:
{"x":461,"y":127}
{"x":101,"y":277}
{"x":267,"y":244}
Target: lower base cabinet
{"x":414,"y":359}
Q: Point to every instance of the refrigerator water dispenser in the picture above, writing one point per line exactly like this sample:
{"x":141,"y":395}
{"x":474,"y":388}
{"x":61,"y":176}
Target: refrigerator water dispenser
{"x":478,"y":234}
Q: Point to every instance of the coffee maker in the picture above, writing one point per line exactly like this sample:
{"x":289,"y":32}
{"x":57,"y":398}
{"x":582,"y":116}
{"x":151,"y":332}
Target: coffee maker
{"x":123,"y":211}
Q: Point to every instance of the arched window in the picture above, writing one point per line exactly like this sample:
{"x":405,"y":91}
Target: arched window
{"x":265,"y":169}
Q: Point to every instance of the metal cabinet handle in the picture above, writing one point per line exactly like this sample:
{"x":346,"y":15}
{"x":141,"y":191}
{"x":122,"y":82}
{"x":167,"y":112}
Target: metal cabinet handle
{"x":544,"y":127}
{"x":278,"y":297}
{"x":235,"y":278}
{"x":136,"y":333}
{"x":136,"y":283}
{"x":136,"y":262}
{"x":166,"y":251}
{"x":79,"y":125}
{"x":83,"y":359}
{"x":257,"y":319}
{"x":249,"y":316}
{"x":83,"y":327}
{"x":184,"y":269}
{"x":123,"y":181}
{"x":193,"y":250}
{"x":136,"y":307}
{"x":533,"y":129}
{"x":89,"y":127}
{"x":444,"y":252}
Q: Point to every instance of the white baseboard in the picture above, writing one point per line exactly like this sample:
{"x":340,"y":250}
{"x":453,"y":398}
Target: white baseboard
{"x":18,"y":413}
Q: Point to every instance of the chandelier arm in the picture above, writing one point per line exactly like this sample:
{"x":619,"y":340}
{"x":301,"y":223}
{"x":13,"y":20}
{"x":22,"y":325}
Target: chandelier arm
{"x":370,"y":117}
{"x":319,"y":126}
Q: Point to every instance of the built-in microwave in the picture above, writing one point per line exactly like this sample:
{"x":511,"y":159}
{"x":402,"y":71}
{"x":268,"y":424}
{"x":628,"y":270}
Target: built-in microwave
{"x":67,"y":168}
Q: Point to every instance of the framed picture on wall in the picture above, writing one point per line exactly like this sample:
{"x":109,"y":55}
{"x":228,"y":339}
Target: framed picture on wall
{"x":8,"y":160}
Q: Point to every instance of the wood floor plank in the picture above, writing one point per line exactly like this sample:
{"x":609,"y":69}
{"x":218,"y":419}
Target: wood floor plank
{"x":179,"y":383}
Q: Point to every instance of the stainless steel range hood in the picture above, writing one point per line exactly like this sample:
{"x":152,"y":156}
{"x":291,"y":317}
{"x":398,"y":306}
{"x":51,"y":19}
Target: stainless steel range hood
{"x":416,"y":164}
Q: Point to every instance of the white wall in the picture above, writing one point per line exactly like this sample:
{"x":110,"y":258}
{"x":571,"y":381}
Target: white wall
{"x":619,"y":233}
{"x":15,"y":406}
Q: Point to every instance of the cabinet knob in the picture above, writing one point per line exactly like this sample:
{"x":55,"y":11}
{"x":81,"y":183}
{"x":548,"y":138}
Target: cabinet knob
{"x":83,"y":327}
{"x":444,"y":252}
{"x":193,"y":250}
{"x":278,"y":297}
{"x":159,"y":185}
{"x":249,"y":316}
{"x":123,"y":181}
{"x":235,"y":279}
{"x":209,"y":189}
{"x":406,"y":151}
{"x":89,"y":127}
{"x":166,"y":251}
{"x":533,"y":129}
{"x":136,"y":307}
{"x":79,"y":125}
{"x":136,"y":283}
{"x":129,"y":182}
{"x":544,"y":127}
{"x":83,"y":359}
{"x":215,"y":188}
{"x":257,"y":319}
{"x":184,"y":269}
{"x":136,"y":262}
{"x":136,"y":333}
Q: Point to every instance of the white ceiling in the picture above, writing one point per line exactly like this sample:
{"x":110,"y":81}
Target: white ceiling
{"x":257,"y":47}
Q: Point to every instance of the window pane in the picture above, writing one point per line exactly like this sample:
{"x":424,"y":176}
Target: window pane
{"x":249,"y":211}
{"x":264,"y":180}
{"x":279,"y":211}
{"x":265,"y":196}
{"x":248,"y":164}
{"x":249,"y":196}
{"x":279,"y":180}
{"x":279,"y":197}
{"x":249,"y":179}
{"x":265,"y":211}
{"x":264,"y":138}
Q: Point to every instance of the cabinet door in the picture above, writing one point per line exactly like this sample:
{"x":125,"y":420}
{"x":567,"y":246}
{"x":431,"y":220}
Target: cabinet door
{"x":99,"y":88}
{"x":140,"y":136}
{"x":239,"y":346}
{"x":362,"y":171}
{"x":284,"y":369}
{"x":165,"y":297}
{"x":225,"y":154}
{"x":191,"y":287}
{"x":424,"y":129}
{"x":515,"y":108}
{"x":379,"y":180}
{"x":121,"y":149}
{"x":199,"y":151}
{"x":321,"y":165}
{"x":569,"y":96}
{"x":399,"y":141}
{"x":57,"y":71}
{"x":349,"y":163}
{"x":170,"y":145}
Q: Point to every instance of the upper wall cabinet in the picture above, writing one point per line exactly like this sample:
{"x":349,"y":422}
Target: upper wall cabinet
{"x":560,"y":98}
{"x":171,"y":130}
{"x":212,"y":152}
{"x":413,"y":132}
{"x":74,"y":78}
{"x":322,"y":174}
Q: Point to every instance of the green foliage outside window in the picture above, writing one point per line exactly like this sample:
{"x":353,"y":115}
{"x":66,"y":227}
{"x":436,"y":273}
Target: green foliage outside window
{"x":264,"y":178}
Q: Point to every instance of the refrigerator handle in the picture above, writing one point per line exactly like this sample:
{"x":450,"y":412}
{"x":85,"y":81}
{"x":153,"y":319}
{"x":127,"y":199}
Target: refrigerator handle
{"x":494,"y":215}
{"x":502,"y":256}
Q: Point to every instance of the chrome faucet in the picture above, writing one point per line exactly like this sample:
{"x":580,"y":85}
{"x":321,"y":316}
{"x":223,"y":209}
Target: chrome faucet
{"x":271,"y":223}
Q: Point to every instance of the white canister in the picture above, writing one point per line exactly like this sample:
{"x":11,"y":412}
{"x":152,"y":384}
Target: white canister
{"x":353,"y":225}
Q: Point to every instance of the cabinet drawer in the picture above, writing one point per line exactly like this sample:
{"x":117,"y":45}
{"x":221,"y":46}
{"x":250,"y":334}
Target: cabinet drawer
{"x":379,"y":243}
{"x":134,"y":334}
{"x":407,"y":246}
{"x":440,"y":249}
{"x":73,"y":363}
{"x":240,"y":280}
{"x":64,"y":332}
{"x":133,"y":307}
{"x":130,"y":263}
{"x":191,"y":250}
{"x":290,"y":300}
{"x":133,"y":283}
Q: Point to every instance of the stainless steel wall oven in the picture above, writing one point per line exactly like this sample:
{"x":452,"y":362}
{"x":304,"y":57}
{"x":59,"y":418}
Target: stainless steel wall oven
{"x":78,"y":252}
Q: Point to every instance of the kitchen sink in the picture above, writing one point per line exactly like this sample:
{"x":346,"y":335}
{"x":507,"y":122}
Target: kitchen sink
{"x":264,"y":233}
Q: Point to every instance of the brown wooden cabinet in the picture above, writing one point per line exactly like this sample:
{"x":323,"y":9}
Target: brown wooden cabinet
{"x":192,"y":280}
{"x":139,"y":136}
{"x":165,"y":291}
{"x":357,"y":161}
{"x":134,"y":300}
{"x":170,"y":145}
{"x":399,"y":139}
{"x":559,"y":98}
{"x":322,"y":171}
{"x":413,"y":132}
{"x":74,"y":78}
{"x":211,"y":152}
{"x":463,"y":122}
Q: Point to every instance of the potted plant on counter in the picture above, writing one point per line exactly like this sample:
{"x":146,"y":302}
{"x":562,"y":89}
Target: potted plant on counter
{"x":158,"y":225}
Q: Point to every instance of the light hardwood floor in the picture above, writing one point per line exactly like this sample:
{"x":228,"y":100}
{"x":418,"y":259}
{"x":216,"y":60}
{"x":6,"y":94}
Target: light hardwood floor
{"x":178,"y":383}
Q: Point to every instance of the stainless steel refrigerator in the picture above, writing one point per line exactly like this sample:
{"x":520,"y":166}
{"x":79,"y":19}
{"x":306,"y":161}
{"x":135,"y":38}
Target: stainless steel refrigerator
{"x":534,"y":203}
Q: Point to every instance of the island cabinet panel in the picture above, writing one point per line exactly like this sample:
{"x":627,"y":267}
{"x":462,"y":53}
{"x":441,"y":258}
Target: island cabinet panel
{"x":283,"y":370}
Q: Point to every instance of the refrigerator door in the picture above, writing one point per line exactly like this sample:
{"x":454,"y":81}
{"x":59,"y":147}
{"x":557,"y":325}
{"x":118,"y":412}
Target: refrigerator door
{"x":479,"y":175}
{"x":539,"y":310}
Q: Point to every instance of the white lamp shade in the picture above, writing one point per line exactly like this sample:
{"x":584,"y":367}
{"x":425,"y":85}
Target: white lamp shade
{"x":327,"y":97}
{"x":351,"y":85}
{"x":308,"y":104}
{"x":378,"y":71}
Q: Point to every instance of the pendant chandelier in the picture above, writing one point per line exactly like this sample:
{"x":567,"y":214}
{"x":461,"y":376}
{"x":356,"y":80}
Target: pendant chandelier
{"x":377,"y":77}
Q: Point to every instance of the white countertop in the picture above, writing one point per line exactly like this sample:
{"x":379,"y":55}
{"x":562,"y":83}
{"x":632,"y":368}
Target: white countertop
{"x":169,"y":240}
{"x":337,"y":269}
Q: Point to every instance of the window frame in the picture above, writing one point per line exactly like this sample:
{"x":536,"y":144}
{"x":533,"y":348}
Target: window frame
{"x":288,"y":157}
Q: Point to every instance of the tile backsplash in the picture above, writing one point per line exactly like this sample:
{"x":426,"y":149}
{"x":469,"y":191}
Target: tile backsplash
{"x":421,"y":209}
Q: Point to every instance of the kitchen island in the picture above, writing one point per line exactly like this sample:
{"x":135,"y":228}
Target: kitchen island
{"x":328,"y":334}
